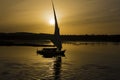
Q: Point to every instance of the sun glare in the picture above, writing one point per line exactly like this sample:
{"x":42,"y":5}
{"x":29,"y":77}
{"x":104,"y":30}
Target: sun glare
{"x":52,"y":21}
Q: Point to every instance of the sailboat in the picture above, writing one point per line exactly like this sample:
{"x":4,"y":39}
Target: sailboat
{"x":56,"y":41}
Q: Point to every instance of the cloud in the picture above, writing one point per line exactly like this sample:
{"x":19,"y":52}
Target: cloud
{"x":75,"y":12}
{"x":96,"y":11}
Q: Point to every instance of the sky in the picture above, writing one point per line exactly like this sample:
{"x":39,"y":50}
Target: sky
{"x":74,"y":16}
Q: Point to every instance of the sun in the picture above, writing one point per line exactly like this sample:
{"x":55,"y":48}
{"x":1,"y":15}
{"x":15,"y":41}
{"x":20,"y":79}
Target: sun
{"x":52,"y":21}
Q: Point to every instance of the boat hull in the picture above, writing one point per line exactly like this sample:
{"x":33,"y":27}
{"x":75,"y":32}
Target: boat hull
{"x":50,"y":54}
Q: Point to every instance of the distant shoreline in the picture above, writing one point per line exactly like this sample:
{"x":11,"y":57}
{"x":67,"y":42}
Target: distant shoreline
{"x":30,"y":37}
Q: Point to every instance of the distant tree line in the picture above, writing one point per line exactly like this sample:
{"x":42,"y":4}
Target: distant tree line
{"x":96,"y":38}
{"x":33,"y":36}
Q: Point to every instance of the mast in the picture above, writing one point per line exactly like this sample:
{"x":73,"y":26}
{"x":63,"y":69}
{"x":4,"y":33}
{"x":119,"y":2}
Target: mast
{"x":57,"y":40}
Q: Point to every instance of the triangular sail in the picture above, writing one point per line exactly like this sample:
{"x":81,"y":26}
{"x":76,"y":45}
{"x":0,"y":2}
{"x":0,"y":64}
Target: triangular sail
{"x":57,"y":40}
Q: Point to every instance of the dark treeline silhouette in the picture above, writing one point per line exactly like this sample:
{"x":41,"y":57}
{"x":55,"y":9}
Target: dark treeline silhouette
{"x":92,"y":38}
{"x":24,"y":36}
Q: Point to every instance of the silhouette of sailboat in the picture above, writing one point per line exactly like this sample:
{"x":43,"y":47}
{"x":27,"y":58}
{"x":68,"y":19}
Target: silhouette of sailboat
{"x":49,"y":52}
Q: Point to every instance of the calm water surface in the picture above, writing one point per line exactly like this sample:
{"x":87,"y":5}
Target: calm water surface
{"x":81,"y":62}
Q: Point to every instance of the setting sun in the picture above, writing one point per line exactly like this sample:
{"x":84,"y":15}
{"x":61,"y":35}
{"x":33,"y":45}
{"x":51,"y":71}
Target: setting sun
{"x":52,"y":21}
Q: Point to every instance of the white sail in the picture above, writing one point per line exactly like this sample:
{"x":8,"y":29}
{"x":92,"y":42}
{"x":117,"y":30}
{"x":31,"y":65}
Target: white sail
{"x":56,"y":40}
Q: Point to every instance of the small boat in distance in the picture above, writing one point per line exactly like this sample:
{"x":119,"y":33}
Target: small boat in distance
{"x":52,"y":52}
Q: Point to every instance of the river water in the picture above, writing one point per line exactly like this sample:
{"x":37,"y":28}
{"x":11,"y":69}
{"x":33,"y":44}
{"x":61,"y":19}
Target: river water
{"x":82,"y":61}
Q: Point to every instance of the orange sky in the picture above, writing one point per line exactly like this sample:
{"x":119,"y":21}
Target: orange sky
{"x":74,"y":16}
